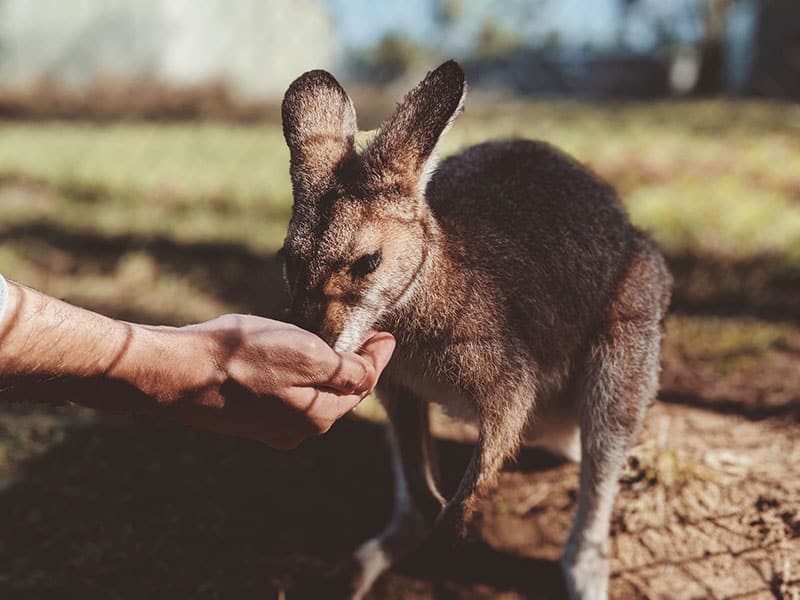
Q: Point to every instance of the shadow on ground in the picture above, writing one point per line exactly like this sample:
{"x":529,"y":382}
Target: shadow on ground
{"x":761,"y":287}
{"x":131,"y":509}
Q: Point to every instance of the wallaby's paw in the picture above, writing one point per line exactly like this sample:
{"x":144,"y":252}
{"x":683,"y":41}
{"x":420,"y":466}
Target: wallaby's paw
{"x":586,"y":573}
{"x":371,"y":561}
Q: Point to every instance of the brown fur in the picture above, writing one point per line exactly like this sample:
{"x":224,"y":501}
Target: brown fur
{"x":512,"y":279}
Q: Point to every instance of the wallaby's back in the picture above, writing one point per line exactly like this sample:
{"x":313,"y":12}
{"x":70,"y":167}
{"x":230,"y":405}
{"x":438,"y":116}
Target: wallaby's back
{"x":540,"y":228}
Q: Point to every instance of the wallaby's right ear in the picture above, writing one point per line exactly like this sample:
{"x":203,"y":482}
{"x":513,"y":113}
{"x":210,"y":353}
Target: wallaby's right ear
{"x":319,"y":124}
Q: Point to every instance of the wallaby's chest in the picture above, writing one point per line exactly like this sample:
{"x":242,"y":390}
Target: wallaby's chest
{"x":419,"y":377}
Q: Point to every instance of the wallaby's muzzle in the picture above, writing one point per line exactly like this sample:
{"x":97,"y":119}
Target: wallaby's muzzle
{"x":323,"y":317}
{"x":306,"y":313}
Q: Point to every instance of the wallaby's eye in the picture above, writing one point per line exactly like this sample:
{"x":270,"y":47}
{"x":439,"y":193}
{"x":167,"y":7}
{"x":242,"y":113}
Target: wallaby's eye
{"x":366,"y":264}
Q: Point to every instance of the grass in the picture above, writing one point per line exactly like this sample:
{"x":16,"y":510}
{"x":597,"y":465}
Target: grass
{"x":86,"y":207}
{"x":191,"y":182}
{"x":713,"y":177}
{"x":735,"y":340}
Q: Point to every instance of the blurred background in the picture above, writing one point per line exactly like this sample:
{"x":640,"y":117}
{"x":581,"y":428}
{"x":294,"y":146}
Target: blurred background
{"x":143,"y":174}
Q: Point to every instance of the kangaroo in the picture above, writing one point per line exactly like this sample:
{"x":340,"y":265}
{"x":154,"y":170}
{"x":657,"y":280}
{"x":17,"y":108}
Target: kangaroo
{"x":520,"y":296}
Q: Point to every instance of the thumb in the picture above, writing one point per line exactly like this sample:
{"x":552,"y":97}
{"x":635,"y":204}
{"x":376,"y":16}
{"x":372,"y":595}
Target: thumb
{"x":378,"y":350}
{"x":357,"y":374}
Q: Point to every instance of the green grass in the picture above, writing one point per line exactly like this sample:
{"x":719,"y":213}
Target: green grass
{"x":722,"y":346}
{"x":713,"y":177}
{"x":190,"y":182}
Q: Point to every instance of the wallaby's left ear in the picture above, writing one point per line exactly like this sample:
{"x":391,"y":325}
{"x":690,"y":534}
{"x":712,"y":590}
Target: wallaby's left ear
{"x":405,"y":148}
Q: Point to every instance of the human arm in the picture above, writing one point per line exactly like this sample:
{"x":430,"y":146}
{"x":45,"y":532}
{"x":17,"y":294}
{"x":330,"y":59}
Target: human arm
{"x":238,"y":374}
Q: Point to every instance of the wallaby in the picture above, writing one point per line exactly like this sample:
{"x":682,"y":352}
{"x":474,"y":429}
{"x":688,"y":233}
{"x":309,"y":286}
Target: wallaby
{"x":519,"y":294}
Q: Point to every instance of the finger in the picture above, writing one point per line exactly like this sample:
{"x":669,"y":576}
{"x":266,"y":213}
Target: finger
{"x":333,"y":406}
{"x":378,"y":349}
{"x":350,"y":374}
{"x":358,"y":373}
{"x":323,"y":407}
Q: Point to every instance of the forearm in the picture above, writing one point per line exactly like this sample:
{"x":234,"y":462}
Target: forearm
{"x":44,"y":336}
{"x":50,"y":349}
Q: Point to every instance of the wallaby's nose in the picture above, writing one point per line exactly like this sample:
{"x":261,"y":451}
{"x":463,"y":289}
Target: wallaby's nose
{"x":306,"y":314}
{"x":313,"y":316}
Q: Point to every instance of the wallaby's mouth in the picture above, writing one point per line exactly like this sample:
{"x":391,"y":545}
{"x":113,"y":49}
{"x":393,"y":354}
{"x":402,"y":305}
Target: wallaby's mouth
{"x":353,"y":336}
{"x":360,"y":325}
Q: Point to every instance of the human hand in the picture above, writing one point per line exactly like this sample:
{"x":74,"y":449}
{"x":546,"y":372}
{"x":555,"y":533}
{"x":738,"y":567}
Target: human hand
{"x":269,"y":381}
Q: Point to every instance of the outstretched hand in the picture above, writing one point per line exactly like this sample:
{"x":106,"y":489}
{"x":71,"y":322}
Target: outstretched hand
{"x":277,"y":383}
{"x":237,"y":374}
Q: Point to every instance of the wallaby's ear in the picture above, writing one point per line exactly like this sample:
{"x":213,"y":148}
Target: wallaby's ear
{"x":319,"y":124}
{"x":405,"y":148}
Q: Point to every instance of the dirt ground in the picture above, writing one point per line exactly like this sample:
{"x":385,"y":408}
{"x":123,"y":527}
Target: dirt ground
{"x":130,"y":508}
{"x":122,"y":508}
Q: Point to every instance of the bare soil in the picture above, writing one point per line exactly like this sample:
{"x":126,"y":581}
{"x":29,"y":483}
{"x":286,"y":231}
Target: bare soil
{"x":129,"y":508}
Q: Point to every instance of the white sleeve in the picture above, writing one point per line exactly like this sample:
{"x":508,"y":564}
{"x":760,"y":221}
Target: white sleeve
{"x":3,"y":296}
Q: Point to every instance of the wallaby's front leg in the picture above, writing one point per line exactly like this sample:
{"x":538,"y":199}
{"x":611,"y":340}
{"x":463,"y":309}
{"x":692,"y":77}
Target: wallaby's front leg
{"x":417,"y":501}
{"x":503,"y":417}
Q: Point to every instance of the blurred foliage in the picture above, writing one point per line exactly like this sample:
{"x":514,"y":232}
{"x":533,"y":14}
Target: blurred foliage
{"x":447,"y":12}
{"x":394,"y":57}
{"x":495,"y":40}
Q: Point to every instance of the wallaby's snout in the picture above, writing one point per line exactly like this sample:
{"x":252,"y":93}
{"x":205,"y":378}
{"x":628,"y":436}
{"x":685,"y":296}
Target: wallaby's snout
{"x":307,"y":314}
{"x":355,"y":276}
{"x":325,"y":296}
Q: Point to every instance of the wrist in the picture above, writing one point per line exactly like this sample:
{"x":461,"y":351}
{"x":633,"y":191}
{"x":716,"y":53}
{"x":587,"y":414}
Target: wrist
{"x":169,"y":364}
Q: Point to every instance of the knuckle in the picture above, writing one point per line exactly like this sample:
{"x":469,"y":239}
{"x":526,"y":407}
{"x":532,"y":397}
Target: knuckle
{"x":348,"y":382}
{"x":357,"y":377}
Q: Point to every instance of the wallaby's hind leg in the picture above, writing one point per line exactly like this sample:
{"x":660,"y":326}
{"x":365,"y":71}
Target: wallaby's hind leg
{"x":417,"y":500}
{"x":620,"y":382}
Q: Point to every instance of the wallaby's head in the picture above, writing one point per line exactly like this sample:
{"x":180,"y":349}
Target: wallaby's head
{"x":358,"y":236}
